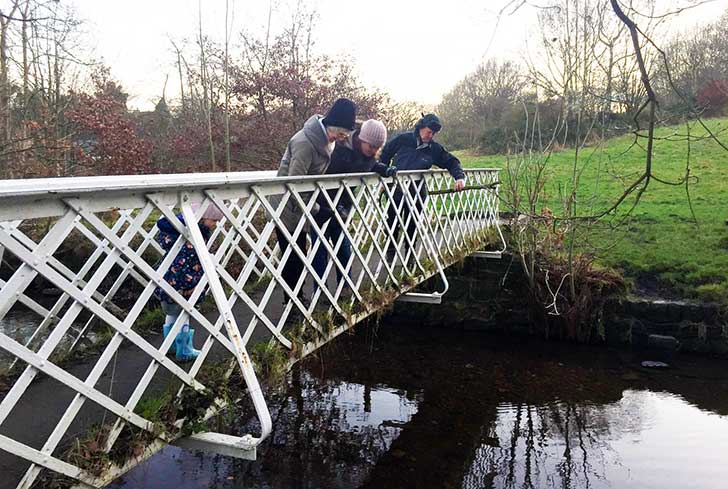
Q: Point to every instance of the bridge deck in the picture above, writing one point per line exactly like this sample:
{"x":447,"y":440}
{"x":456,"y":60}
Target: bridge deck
{"x":106,"y":292}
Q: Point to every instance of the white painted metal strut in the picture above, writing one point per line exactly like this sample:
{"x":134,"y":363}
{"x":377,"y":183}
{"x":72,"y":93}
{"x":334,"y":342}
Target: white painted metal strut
{"x":241,"y":355}
{"x":110,"y":287}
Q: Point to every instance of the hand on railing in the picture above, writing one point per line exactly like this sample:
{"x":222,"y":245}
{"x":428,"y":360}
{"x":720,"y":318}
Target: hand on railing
{"x":343,"y":212}
{"x":459,"y":184}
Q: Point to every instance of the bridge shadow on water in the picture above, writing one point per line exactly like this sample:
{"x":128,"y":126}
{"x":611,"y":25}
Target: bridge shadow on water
{"x":417,"y":407}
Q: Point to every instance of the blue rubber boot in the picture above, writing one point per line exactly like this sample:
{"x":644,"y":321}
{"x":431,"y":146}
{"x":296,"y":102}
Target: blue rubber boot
{"x":165,"y":330}
{"x":185,"y":349}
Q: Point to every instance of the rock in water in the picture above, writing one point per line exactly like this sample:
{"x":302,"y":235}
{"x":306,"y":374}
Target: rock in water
{"x":654,"y":364}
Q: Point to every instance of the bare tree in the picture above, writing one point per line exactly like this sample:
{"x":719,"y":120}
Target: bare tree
{"x":226,"y":71}
{"x":40,"y":61}
{"x":477,"y":108}
{"x":180,"y":70}
{"x":279,"y":81}
{"x":5,"y":89}
{"x":206,"y":87}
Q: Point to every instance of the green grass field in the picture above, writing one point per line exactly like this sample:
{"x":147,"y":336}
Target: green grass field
{"x":661,"y":246}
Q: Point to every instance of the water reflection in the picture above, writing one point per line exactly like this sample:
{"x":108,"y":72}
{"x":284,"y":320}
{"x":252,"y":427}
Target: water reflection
{"x":646,"y":439}
{"x":326,"y":434}
{"x":424,"y":408}
{"x":329,"y":432}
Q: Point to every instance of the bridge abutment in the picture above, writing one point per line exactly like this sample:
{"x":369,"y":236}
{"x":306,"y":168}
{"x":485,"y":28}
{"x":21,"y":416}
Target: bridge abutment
{"x":490,"y":296}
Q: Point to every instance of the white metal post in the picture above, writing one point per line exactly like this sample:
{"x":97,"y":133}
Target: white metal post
{"x":231,"y":326}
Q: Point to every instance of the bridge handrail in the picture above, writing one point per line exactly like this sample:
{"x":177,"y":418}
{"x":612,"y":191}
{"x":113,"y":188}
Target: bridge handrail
{"x":133,"y":182}
{"x":33,"y":197}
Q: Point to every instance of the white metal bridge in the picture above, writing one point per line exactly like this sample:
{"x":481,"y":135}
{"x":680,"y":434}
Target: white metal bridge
{"x":80,"y":260}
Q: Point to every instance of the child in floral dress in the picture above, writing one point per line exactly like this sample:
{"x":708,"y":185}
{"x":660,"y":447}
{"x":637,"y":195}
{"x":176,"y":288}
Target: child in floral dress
{"x":183,"y":275}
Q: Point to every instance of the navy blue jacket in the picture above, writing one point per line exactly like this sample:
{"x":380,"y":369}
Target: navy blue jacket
{"x":346,"y":159}
{"x":407,"y":156}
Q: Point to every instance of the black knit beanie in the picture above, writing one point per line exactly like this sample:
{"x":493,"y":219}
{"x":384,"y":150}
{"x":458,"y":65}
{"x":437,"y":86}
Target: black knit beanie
{"x":341,"y":114}
{"x":429,"y":120}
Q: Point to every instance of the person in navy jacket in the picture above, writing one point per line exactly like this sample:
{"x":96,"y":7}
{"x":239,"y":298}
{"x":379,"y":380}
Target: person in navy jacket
{"x":417,"y":150}
{"x":357,"y":154}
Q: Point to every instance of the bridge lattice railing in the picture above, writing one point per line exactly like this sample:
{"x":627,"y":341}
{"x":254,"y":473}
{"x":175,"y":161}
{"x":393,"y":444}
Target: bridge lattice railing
{"x":79,"y":258}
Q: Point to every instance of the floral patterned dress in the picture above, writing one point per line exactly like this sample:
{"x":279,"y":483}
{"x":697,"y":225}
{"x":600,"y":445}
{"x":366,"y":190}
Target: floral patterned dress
{"x":186,"y":270}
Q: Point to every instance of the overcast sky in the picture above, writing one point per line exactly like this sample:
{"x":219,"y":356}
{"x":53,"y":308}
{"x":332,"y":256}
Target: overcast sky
{"x":415,"y":50}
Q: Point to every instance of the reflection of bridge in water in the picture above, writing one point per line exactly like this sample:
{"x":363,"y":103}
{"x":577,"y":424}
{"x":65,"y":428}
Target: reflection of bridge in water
{"x":91,"y":240}
{"x":405,"y":404}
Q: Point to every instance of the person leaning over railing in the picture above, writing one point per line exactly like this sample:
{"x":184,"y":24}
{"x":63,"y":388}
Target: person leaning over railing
{"x":183,"y":274}
{"x":353,"y":155}
{"x":308,"y":153}
{"x":417,"y":150}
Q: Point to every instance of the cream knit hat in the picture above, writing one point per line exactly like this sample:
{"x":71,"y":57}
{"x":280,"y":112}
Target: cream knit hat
{"x":373,"y":132}
{"x":212,"y":211}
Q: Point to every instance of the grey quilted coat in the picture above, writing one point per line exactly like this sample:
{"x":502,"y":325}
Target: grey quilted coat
{"x":307,"y":153}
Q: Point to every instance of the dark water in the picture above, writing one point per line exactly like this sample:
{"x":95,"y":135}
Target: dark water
{"x":20,"y":324}
{"x":418,"y":407}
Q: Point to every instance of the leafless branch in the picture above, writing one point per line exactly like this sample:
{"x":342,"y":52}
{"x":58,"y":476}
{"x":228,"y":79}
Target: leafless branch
{"x":671,"y":13}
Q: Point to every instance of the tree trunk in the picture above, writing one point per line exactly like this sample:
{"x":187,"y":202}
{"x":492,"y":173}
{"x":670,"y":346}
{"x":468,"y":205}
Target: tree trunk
{"x":181,"y":77}
{"x":206,"y":97}
{"x":228,"y":164}
{"x":5,"y":88}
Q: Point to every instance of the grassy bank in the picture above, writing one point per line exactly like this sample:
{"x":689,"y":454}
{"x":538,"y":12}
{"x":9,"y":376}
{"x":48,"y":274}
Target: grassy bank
{"x":662,"y":247}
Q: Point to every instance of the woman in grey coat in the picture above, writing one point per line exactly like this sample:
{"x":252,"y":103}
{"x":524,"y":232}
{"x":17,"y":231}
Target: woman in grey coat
{"x":309,"y":153}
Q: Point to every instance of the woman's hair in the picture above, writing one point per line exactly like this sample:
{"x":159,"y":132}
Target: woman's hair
{"x":337,"y":129}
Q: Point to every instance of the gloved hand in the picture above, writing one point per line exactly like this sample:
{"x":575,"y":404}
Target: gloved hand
{"x":391,"y":171}
{"x":459,"y":184}
{"x":343,"y":212}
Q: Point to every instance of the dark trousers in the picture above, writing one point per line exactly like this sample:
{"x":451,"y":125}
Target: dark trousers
{"x":405,"y":212}
{"x":321,"y":258}
{"x":293,"y":267}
